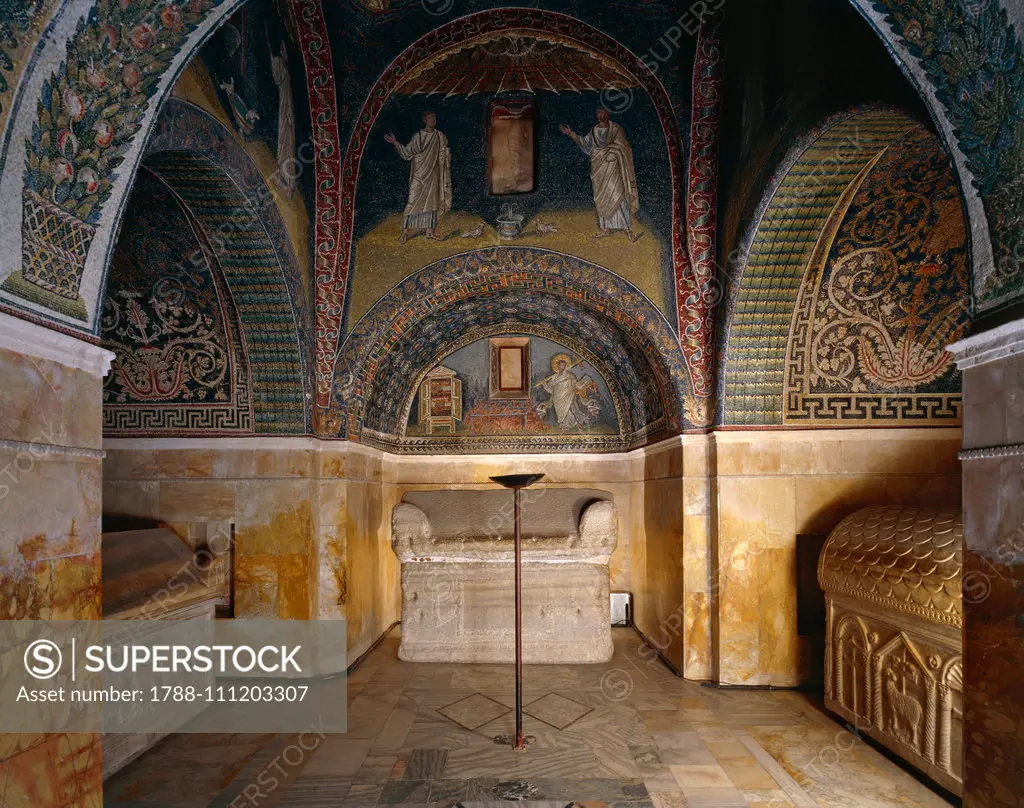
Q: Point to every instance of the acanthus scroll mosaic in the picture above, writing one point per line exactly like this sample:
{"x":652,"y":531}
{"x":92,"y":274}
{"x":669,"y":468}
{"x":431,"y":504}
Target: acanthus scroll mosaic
{"x":872,"y":321}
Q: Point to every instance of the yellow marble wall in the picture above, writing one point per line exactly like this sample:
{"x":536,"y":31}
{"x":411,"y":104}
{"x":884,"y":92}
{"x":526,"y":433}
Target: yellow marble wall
{"x":374,"y":592}
{"x":707,"y":539}
{"x":49,"y":545}
{"x":311,"y":520}
{"x":269,"y":494}
{"x":670,"y":541}
{"x":771,"y":485}
{"x":313,"y":523}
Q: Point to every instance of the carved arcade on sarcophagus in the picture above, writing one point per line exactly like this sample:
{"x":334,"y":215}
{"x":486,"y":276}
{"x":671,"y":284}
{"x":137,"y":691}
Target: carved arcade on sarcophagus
{"x":894,"y":653}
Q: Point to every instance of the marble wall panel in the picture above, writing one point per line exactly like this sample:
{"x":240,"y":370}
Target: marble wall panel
{"x":993,"y":584}
{"x":60,"y":771}
{"x":373,"y":588}
{"x":46,"y":402}
{"x":661,"y":618}
{"x":50,"y":494}
{"x":706,"y":540}
{"x":773,"y":485}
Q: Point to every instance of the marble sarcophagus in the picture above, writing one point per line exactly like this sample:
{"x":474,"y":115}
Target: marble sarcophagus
{"x":457,"y":555}
{"x":894,"y":658}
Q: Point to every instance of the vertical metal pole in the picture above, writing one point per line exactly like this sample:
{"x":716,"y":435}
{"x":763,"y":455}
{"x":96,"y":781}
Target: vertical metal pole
{"x":519,"y":626}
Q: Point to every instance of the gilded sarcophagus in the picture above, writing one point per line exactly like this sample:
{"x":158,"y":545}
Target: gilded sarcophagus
{"x":894,"y":653}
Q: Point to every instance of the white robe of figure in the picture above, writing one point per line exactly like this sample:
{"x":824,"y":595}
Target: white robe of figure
{"x":564,"y":387}
{"x":287,"y":168}
{"x":430,"y":179}
{"x":611,"y":172}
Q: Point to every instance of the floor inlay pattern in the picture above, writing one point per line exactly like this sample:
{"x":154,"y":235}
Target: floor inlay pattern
{"x":421,"y":736}
{"x":557,"y":711}
{"x":474,"y":711}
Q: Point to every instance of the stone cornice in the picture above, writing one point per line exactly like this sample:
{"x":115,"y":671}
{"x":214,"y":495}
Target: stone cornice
{"x":29,"y":339}
{"x":990,"y":452}
{"x":988,"y":346}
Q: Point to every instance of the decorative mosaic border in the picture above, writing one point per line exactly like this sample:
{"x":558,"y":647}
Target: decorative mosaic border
{"x":797,"y":210}
{"x":493,"y":444}
{"x":700,"y":297}
{"x":490,"y":271}
{"x":474,"y":25}
{"x":328,"y":242}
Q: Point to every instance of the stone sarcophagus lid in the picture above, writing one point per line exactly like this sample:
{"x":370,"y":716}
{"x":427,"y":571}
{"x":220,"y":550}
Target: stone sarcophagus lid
{"x":457,"y":554}
{"x":894,"y":658}
{"x":152,"y":575}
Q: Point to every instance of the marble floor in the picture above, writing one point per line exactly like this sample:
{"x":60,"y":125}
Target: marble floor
{"x":628,"y":733}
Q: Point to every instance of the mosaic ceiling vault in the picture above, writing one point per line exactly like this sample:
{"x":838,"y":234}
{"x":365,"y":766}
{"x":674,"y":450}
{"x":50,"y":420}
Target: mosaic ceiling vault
{"x":343,"y":233}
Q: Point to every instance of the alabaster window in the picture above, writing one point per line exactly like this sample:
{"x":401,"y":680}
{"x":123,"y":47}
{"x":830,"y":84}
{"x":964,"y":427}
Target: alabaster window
{"x":510,"y":367}
{"x":510,"y":147}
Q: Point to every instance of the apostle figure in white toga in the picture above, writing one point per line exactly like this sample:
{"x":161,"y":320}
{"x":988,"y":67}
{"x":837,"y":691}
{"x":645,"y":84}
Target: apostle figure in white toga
{"x":611,"y":171}
{"x":287,"y":166}
{"x":430,"y":178}
{"x":573,"y":398}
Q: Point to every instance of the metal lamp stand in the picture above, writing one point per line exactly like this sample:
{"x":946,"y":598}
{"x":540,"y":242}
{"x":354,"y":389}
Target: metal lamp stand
{"x":517,"y":482}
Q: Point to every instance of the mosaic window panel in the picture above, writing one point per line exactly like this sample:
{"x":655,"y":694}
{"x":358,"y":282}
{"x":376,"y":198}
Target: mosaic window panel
{"x":510,"y":142}
{"x":510,"y":367}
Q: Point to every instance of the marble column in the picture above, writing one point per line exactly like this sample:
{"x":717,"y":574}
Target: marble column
{"x":50,"y":508}
{"x":992,"y":363}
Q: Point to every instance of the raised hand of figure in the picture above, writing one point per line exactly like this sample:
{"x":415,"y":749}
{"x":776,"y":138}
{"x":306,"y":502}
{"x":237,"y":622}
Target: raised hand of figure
{"x":565,"y":130}
{"x":390,"y":138}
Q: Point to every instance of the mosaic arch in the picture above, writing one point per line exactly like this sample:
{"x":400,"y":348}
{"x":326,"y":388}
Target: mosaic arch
{"x":855,"y":281}
{"x":526,"y":432}
{"x":252,"y":270}
{"x":523,"y":284}
{"x":169,"y":318}
{"x":621,"y":365}
{"x":967,"y":62}
{"x":89,"y":96}
{"x":182,"y":126}
{"x":965,"y":59}
{"x":693,"y":310}
{"x":74,"y":141}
